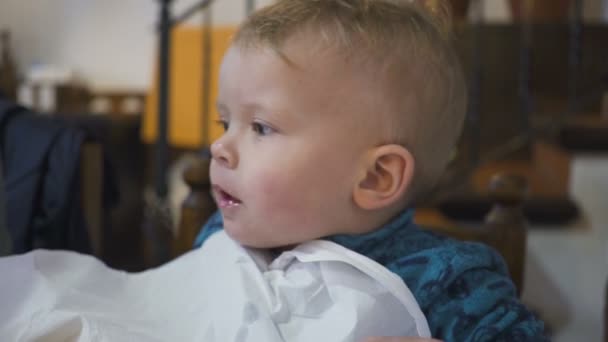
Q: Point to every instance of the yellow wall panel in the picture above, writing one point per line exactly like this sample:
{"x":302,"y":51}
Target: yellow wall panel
{"x":187,"y":128}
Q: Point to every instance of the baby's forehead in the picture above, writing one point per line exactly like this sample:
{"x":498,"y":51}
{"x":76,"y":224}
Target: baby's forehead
{"x":312,"y":57}
{"x":388,"y":77}
{"x":314,"y":72}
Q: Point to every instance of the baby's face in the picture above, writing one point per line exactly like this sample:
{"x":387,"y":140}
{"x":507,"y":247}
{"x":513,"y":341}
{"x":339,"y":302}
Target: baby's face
{"x":284,"y":170}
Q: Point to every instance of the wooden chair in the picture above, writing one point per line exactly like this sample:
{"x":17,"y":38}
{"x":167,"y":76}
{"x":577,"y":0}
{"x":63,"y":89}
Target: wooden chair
{"x":91,"y":178}
{"x":504,"y":227}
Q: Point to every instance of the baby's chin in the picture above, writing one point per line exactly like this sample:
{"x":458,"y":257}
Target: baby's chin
{"x":247,"y":238}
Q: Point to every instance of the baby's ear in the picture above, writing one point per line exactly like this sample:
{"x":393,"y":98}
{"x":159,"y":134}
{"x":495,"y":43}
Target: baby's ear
{"x":388,"y":171}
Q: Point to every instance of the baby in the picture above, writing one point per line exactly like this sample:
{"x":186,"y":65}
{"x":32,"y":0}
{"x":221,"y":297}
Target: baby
{"x":338,"y":115}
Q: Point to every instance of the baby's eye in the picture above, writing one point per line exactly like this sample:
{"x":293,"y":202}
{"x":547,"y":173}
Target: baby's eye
{"x":262,"y":129}
{"x":223,"y":124}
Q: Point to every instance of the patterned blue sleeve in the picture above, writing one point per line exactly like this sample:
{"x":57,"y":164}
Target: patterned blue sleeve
{"x":466,"y":295}
{"x":213,"y":225}
{"x":482,"y":306}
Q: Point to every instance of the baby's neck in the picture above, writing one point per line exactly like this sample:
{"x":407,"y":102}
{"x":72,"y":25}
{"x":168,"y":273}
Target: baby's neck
{"x":276,"y":251}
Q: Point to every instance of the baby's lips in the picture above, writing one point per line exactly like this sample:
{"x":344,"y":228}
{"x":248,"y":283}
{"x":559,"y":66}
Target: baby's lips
{"x":224,"y":198}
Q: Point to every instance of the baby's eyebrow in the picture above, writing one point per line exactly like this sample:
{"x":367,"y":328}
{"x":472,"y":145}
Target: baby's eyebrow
{"x":221,"y":108}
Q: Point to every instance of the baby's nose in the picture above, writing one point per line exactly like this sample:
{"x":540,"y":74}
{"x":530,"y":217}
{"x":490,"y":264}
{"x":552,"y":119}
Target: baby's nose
{"x":224,"y":154}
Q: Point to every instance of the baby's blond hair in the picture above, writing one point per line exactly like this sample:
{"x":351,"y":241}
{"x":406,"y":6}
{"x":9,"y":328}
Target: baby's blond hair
{"x":410,"y":39}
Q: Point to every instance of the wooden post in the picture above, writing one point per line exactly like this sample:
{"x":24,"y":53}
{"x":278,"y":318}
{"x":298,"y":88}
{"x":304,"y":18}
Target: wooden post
{"x":91,"y":173}
{"x":197,"y":207}
{"x":507,"y":220}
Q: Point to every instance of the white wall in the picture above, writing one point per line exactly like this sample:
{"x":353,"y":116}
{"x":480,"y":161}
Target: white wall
{"x":108,"y":42}
{"x":498,"y":10}
{"x":111,"y":43}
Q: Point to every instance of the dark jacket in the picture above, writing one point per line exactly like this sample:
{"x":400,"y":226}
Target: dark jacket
{"x":41,"y":164}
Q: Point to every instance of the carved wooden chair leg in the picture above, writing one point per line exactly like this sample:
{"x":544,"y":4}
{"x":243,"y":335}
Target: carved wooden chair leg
{"x":196,"y":208}
{"x":507,"y":221}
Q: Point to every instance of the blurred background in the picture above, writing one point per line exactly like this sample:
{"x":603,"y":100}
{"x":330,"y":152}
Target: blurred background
{"x":90,"y":72}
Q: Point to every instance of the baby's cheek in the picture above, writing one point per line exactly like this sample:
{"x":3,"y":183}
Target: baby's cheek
{"x":280,"y":196}
{"x":272,"y":189}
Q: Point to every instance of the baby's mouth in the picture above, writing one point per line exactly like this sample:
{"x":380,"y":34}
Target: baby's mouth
{"x":225,"y":199}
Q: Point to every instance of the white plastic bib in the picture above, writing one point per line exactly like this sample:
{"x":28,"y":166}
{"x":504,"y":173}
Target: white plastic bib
{"x":222,"y":292}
